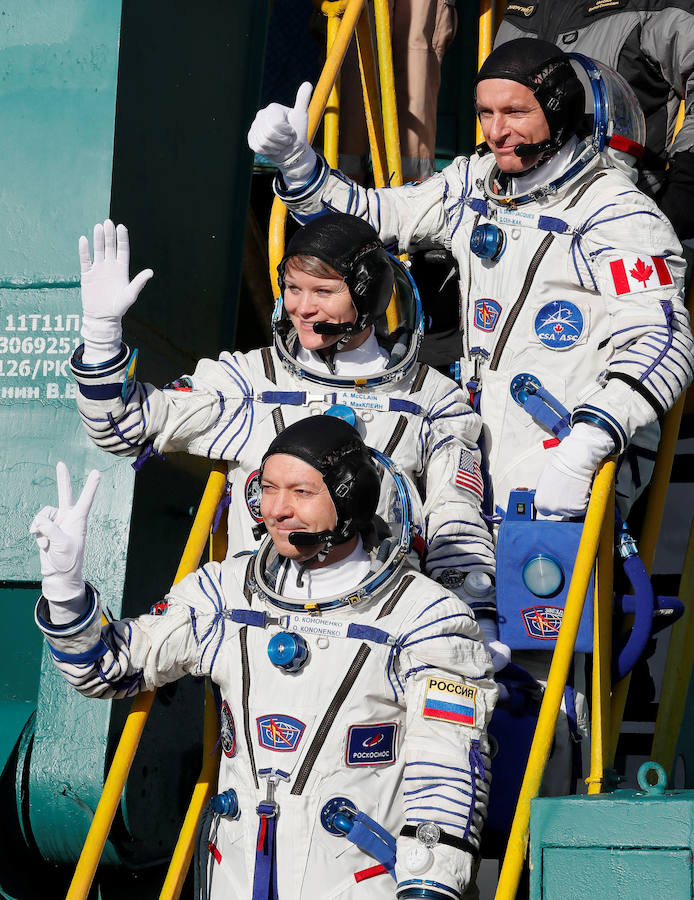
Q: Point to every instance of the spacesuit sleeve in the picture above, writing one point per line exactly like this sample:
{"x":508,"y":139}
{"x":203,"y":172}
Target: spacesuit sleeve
{"x":204,"y":414}
{"x":642,"y":283}
{"x":121,"y":658}
{"x":667,"y":41}
{"x":458,"y":541}
{"x":450,"y":697}
{"x":408,"y":216}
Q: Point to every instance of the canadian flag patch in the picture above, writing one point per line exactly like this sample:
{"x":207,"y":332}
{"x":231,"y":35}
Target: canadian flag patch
{"x":639,"y":273}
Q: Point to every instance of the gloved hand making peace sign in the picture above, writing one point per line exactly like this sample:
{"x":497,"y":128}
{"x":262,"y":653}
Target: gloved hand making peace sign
{"x":61,"y":535}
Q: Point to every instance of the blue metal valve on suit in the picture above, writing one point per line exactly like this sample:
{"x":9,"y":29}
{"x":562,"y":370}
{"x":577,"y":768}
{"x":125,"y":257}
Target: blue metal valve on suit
{"x":226,"y":804}
{"x":337,"y":816}
{"x":342,"y":411}
{"x":287,"y":651}
{"x":487,"y":241}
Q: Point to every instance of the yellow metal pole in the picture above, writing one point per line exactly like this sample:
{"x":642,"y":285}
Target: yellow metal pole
{"x":678,"y":670}
{"x":331,"y":119}
{"x":278,"y":214}
{"x":485,"y":38}
{"x":135,"y":723}
{"x":551,"y":701}
{"x":204,"y":787}
{"x":372,"y":109}
{"x":207,"y":779}
{"x":648,"y":540}
{"x":390,"y":109}
{"x":602,"y":651}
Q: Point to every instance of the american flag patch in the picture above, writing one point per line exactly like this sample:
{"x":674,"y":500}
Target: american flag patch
{"x":468,"y":474}
{"x":633,"y":274}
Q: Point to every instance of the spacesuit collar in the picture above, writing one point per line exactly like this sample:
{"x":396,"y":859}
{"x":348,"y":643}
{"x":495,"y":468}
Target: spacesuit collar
{"x":337,"y":577}
{"x":368,"y":359}
{"x":582,"y":159}
{"x":546,"y":172}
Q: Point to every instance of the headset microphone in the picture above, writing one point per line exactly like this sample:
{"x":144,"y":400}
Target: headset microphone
{"x":333,"y":327}
{"x":524,"y":150}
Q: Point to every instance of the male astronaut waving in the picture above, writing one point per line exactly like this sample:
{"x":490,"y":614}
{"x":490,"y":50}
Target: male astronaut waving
{"x":355,"y":692}
{"x":571,"y":279}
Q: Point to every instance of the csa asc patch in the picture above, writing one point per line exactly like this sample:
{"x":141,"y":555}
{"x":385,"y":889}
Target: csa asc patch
{"x":253,"y":495}
{"x":371,"y":745}
{"x":449,"y":701}
{"x":559,"y":324}
{"x":227,"y":730}
{"x":542,"y":622}
{"x":279,"y":732}
{"x":487,"y":314}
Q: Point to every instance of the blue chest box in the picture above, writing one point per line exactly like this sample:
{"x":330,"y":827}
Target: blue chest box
{"x":534,"y":564}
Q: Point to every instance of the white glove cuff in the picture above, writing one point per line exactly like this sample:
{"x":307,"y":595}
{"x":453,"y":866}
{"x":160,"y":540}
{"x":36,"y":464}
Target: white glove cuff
{"x":297,"y":170}
{"x":64,"y":609}
{"x":102,"y":339}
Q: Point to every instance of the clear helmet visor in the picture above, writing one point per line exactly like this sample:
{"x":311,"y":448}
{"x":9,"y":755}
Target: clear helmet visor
{"x":399,"y":525}
{"x":399,"y":330}
{"x":612,"y":110}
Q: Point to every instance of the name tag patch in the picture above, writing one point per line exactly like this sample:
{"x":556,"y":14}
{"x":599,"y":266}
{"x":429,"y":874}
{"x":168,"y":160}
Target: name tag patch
{"x":371,"y":745}
{"x":449,"y":701}
{"x":279,"y":732}
{"x":559,"y":324}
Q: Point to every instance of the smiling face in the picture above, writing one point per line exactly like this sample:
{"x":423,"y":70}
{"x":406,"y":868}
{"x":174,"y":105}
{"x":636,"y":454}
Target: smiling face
{"x":510,"y":115}
{"x":319,"y":296}
{"x":294,"y":498}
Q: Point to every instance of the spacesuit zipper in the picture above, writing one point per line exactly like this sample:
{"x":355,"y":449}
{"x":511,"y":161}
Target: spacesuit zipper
{"x":342,"y":692}
{"x":518,"y":305}
{"x":245,"y":689}
{"x":329,"y":718}
{"x":527,"y":284}
{"x":463,"y":318}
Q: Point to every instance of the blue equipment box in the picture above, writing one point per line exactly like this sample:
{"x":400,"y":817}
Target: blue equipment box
{"x":534,"y":564}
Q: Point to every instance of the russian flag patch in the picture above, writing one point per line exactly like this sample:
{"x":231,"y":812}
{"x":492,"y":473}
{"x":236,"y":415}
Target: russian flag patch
{"x":633,"y":273}
{"x":449,"y":701}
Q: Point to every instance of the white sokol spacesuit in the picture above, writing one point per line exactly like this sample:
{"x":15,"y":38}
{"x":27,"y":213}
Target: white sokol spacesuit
{"x":366,"y":717}
{"x":231,"y":408}
{"x":570,"y":278}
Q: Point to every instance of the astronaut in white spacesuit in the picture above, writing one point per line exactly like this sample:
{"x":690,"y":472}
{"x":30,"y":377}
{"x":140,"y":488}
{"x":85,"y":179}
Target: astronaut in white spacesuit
{"x":575,"y":337}
{"x":332,"y":347}
{"x":354,"y":691}
{"x":571,"y":279}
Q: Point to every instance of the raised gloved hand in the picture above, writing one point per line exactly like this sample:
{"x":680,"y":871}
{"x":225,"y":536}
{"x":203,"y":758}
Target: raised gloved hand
{"x":60,"y":535}
{"x":281,"y":134}
{"x":563,"y":487}
{"x":107,"y":292}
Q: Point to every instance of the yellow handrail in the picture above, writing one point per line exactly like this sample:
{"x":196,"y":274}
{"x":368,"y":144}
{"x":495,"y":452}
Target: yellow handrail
{"x":132,"y":730}
{"x":678,"y":670}
{"x":331,"y":119}
{"x":278,"y":213}
{"x":485,"y":36}
{"x":602,"y":651}
{"x":372,"y":109}
{"x":388,"y":101}
{"x":561,"y":661}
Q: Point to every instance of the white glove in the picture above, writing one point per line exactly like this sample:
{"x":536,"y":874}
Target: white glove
{"x":563,"y":487}
{"x":281,"y":134}
{"x":60,"y":535}
{"x":107,"y":292}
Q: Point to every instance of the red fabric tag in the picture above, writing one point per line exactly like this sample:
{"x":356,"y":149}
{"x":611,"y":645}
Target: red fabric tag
{"x":369,"y":873}
{"x":261,"y":833}
{"x":551,"y":442}
{"x":213,"y":850}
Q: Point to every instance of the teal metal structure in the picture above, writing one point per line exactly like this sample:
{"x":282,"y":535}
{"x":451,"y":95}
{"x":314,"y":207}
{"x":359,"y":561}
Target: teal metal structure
{"x":138,"y":111}
{"x":628,"y":845}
